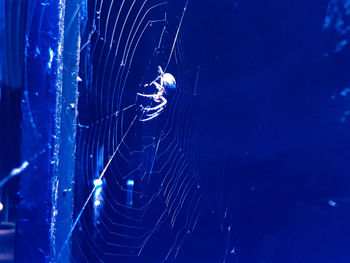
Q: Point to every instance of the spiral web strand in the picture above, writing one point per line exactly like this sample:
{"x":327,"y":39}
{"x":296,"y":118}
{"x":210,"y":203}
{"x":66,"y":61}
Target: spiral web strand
{"x":135,"y":186}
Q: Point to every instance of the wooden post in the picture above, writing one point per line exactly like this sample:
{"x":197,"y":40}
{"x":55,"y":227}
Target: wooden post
{"x":48,"y":130}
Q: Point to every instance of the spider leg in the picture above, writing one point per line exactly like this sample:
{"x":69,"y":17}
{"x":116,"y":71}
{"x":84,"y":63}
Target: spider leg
{"x":155,"y":113}
{"x":160,"y":105}
{"x":160,"y":70}
{"x":152,"y":112}
{"x":146,"y":95}
{"x":158,"y":86}
{"x":150,"y":117}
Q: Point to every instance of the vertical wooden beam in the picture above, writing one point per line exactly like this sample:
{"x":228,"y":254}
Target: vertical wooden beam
{"x":63,"y":181}
{"x":48,"y":130}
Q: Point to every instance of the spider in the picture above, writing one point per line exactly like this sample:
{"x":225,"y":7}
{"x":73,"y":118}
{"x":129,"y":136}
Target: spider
{"x":162,"y":82}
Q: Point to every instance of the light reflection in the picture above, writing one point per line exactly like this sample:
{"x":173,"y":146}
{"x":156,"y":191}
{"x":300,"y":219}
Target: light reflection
{"x":129,"y":192}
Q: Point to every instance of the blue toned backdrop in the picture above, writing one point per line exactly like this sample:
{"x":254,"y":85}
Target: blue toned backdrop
{"x":248,"y":161}
{"x":275,"y":146}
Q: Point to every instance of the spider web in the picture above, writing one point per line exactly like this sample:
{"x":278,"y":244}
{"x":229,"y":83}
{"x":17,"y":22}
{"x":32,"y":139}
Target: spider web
{"x":136,"y":188}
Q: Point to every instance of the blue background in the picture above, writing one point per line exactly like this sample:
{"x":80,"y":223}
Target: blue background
{"x":274,"y":133}
{"x":263,"y":91}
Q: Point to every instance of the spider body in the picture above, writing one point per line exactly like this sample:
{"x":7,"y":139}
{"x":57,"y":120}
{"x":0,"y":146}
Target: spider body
{"x":163,"y":82}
